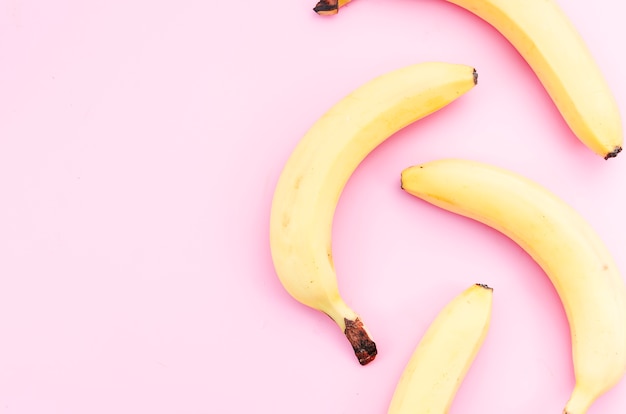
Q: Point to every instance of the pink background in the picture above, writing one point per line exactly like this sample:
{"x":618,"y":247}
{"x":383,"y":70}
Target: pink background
{"x":140,"y":142}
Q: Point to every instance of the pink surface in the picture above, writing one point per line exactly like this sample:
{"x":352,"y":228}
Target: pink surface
{"x":140,"y":142}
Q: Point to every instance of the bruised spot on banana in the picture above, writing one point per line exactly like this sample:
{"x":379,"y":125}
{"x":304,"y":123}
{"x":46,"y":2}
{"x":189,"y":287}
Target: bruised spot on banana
{"x":324,"y":159}
{"x":540,"y":31}
{"x":561,"y":241}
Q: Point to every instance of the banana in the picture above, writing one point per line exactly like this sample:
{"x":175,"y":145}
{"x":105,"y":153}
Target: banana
{"x":314,"y":176}
{"x":445,"y":353}
{"x":553,"y":48}
{"x":546,"y":38}
{"x":561,"y":241}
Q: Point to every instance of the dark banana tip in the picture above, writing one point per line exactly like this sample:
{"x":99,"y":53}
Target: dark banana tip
{"x":363,"y":346}
{"x":475,"y":77}
{"x":325,"y":7}
{"x":367,"y":354}
{"x":484,"y":286}
{"x":613,"y":153}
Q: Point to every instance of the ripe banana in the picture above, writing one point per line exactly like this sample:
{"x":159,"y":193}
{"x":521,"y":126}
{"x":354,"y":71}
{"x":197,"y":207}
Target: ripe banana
{"x":445,"y":353}
{"x":551,"y":45}
{"x":570,"y":252}
{"x":548,"y":41}
{"x":314,"y":176}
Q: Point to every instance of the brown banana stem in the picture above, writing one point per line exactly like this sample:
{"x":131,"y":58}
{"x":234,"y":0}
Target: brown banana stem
{"x":364,"y":347}
{"x":328,"y":7}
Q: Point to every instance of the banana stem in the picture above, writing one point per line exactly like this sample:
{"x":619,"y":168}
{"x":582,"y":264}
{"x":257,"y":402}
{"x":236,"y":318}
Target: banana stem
{"x":364,"y":347}
{"x":328,"y":7}
{"x":350,"y":323}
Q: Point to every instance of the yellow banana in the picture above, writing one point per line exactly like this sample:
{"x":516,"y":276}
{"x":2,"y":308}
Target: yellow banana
{"x":445,"y":353}
{"x":314,"y":176}
{"x":554,"y":49}
{"x":570,"y":252}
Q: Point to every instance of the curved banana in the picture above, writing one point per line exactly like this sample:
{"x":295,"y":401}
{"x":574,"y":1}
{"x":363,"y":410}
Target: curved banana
{"x":549,"y":42}
{"x":553,"y":48}
{"x":313,"y":178}
{"x":445,"y":353}
{"x":570,"y":252}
